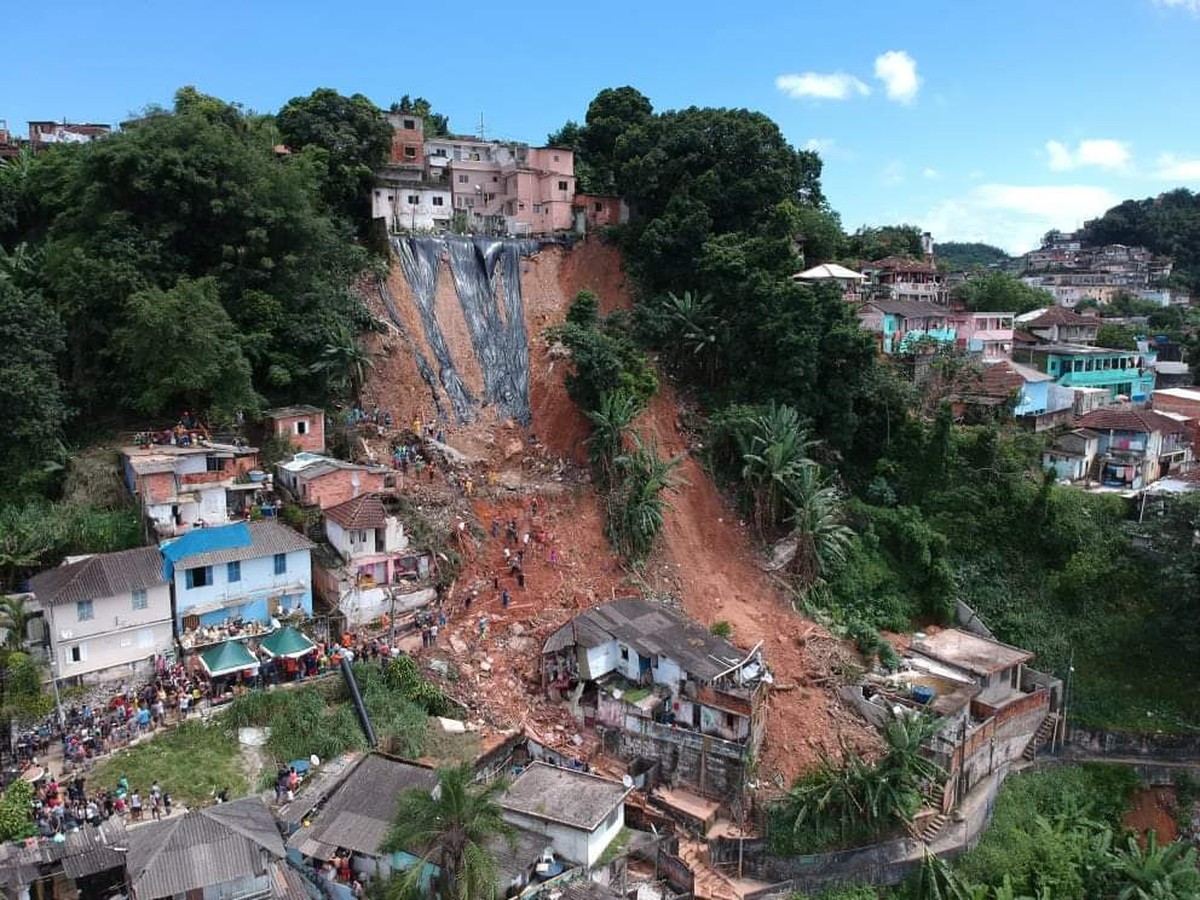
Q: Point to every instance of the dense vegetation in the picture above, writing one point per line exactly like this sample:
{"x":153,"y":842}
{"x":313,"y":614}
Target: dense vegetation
{"x":938,"y":511}
{"x":1168,"y":224}
{"x":968,"y":255}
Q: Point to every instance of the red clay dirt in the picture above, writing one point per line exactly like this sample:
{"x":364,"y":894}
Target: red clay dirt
{"x":705,"y":557}
{"x":1154,"y":810}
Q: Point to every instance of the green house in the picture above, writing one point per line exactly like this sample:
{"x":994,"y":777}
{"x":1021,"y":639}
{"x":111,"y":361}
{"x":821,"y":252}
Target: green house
{"x":1127,"y":373}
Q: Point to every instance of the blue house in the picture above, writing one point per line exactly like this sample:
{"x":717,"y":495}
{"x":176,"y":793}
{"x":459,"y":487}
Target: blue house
{"x":231,"y":581}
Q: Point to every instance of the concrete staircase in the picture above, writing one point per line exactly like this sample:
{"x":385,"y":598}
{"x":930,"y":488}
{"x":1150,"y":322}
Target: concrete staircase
{"x":1040,"y":737}
{"x":934,"y":827}
{"x":709,"y":883}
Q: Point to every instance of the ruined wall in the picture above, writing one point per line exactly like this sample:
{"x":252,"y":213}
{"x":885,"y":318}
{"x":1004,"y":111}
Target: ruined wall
{"x":708,"y":773}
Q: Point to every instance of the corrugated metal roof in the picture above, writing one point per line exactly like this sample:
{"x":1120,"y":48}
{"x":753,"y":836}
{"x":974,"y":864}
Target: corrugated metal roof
{"x":102,"y":575}
{"x":652,"y":630}
{"x":202,"y":848}
{"x":282,"y":412}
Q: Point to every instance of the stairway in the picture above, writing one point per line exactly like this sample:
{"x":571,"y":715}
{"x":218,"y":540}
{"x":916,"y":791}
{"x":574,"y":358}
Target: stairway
{"x":709,"y":884}
{"x":934,"y":828}
{"x":1040,"y":737}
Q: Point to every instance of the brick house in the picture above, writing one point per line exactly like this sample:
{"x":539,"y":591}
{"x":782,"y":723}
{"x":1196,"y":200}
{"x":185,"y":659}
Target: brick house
{"x":325,"y":482}
{"x":304,"y":426}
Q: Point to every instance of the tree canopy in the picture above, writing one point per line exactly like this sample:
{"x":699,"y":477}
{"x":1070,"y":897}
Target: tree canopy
{"x":1000,"y":292}
{"x":1168,"y":224}
{"x":968,"y":255}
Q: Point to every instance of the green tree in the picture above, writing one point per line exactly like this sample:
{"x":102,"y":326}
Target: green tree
{"x":1116,"y":337}
{"x":452,"y":827}
{"x":969,"y":255}
{"x":354,"y":138}
{"x":30,"y":395}
{"x":610,"y":422}
{"x":1000,"y":292}
{"x":774,"y":457}
{"x":636,"y":505}
{"x":1157,"y":873}
{"x":14,"y":618}
{"x":345,"y":364}
{"x":823,"y":540}
{"x":179,"y":348}
{"x":872,"y":243}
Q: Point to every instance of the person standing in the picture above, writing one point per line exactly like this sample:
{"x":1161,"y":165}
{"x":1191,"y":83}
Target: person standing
{"x":505,"y":597}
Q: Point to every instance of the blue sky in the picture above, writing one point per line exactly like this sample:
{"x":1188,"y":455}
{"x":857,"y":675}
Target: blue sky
{"x":976,"y":119}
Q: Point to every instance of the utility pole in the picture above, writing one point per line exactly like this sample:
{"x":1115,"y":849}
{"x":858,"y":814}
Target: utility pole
{"x":392,"y":618}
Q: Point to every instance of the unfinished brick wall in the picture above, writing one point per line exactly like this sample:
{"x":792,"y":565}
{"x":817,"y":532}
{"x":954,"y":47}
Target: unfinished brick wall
{"x":338,"y":487}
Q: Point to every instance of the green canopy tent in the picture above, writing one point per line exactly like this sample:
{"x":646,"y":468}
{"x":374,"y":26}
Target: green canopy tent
{"x":227,"y":658}
{"x":287,"y":643}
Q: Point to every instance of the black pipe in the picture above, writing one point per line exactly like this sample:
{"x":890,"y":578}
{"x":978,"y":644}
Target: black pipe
{"x":363,"y":719}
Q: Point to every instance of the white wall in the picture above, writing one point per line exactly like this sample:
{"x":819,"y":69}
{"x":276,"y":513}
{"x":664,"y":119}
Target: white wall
{"x":116,"y":635}
{"x":599,"y":661}
{"x":668,"y":672}
{"x":572,"y":844}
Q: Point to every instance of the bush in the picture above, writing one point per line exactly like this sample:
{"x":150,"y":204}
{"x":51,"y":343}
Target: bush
{"x":722,"y":629}
{"x":16,"y":812}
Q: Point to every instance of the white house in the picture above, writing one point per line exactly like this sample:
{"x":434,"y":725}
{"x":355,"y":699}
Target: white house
{"x":412,"y":207}
{"x":108,"y":615}
{"x":579,"y":813}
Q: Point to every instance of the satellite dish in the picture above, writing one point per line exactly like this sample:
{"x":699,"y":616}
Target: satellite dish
{"x":627,"y":781}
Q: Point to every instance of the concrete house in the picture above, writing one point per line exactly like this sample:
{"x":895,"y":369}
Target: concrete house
{"x":182,"y":487}
{"x":577,"y":813}
{"x":215,"y":853}
{"x":596,"y":211}
{"x":354,"y":811}
{"x":666,"y":685}
{"x":911,"y":280}
{"x":1183,"y":403}
{"x":987,"y":335}
{"x":1058,"y":325}
{"x":107,"y":615}
{"x":1071,"y":454}
{"x":1133,"y":448}
{"x":303,"y":426}
{"x":1120,"y":373}
{"x":368,"y":568}
{"x":902,"y":326}
{"x":1037,"y":402}
{"x":316,"y":480}
{"x":231,"y":582}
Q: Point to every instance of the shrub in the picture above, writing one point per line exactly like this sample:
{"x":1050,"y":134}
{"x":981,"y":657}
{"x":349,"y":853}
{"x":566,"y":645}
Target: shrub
{"x":722,"y":629}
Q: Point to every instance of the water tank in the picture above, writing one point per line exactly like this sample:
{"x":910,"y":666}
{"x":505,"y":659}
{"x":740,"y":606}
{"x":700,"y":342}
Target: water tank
{"x":922,"y":694}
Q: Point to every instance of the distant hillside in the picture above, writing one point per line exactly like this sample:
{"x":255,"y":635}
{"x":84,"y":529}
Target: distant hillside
{"x":970,"y":255}
{"x":1168,"y":224}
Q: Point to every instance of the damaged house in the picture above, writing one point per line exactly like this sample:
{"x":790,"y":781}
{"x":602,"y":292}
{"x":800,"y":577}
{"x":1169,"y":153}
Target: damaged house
{"x":660,"y":687}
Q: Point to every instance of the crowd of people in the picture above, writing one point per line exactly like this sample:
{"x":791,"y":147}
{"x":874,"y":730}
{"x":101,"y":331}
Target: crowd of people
{"x":60,"y":807}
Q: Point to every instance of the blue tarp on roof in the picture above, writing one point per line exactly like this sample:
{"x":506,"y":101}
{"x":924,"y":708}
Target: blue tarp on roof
{"x":203,"y":540}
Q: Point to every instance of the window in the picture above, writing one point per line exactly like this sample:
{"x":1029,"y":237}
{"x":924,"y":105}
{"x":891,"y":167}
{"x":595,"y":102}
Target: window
{"x":562,"y":185}
{"x":438,"y":201}
{"x":625,"y":653}
{"x":79,"y":653}
{"x":410,"y":124}
{"x":413,"y":199}
{"x":214,"y":464}
{"x":140,"y":600}
{"x":410,"y":152}
{"x":280,"y":563}
{"x":556,"y":157}
{"x":463,"y":179}
{"x":302,"y":426}
{"x":537,"y":208}
{"x":598,"y":206}
{"x":233,"y":571}
{"x":84,"y":610}
{"x":201,"y":576}
{"x":495,"y":178}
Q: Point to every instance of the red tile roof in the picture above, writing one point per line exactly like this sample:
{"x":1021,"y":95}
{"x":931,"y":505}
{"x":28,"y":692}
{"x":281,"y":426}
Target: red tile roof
{"x":902,"y":264}
{"x":1059,"y":315}
{"x":362,"y":512}
{"x":1125,"y":418}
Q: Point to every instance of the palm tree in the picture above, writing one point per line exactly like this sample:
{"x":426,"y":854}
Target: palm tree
{"x":823,"y":542}
{"x":27,"y":535}
{"x":451,"y":827}
{"x":14,"y":616}
{"x":345,"y":363}
{"x":635,"y":515}
{"x":694,"y":330}
{"x":1157,"y":873}
{"x":610,"y":419}
{"x":774,"y":455}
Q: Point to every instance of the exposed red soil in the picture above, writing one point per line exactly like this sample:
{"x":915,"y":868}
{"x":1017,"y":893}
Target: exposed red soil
{"x":1154,"y":810}
{"x":706,"y":557}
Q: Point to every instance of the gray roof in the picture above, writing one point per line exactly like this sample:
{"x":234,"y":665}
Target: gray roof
{"x":651,"y":629}
{"x":565,"y":796}
{"x":910,"y":309}
{"x":586,"y":889}
{"x":202,"y":848}
{"x":516,"y":854}
{"x":102,"y":575}
{"x":358,"y":813}
{"x":282,"y":412}
{"x":89,"y":850}
{"x":267,"y":538}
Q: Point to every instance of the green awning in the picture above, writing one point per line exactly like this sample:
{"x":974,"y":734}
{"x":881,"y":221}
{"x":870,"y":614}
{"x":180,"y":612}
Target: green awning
{"x":287,"y":643}
{"x":226,"y":658}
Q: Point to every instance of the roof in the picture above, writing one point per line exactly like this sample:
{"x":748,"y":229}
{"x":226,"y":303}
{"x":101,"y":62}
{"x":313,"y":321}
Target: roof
{"x":359,"y":812}
{"x":230,"y":656}
{"x":230,"y":543}
{"x":287,"y":642}
{"x":102,"y":575}
{"x":1127,"y":418}
{"x":1061,"y":349}
{"x":364,"y":511}
{"x":910,"y":309}
{"x":202,"y":848}
{"x":902,"y":264}
{"x":565,"y":796}
{"x":586,"y":889}
{"x":283,"y":412}
{"x":86,"y":851}
{"x":516,"y":857}
{"x":651,"y":629}
{"x":970,"y":652}
{"x":158,"y":453}
{"x":1058,"y":315}
{"x":1000,"y":379}
{"x":312,"y":465}
{"x":1192,"y":394}
{"x":829,"y":270}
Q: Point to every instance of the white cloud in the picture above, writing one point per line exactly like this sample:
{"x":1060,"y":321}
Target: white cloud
{"x":819,"y":145}
{"x":1016,"y":216}
{"x":1191,"y":6}
{"x":893,"y":173}
{"x":1103,"y":153}
{"x":1173,"y":168}
{"x":930,"y":173}
{"x":898,"y":72}
{"x":822,"y":86}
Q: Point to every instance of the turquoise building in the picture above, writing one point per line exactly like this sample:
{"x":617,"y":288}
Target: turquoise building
{"x":901,"y":326}
{"x":1128,"y":373}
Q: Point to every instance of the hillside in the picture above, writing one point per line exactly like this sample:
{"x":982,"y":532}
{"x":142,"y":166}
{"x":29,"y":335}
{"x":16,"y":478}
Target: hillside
{"x":962,"y":255}
{"x":705,"y":560}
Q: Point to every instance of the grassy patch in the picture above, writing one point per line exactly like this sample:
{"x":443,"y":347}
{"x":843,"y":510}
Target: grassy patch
{"x":613,"y":850}
{"x":191,"y":761}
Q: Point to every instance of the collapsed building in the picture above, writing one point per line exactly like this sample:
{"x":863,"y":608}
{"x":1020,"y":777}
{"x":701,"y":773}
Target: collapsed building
{"x":661,"y":690}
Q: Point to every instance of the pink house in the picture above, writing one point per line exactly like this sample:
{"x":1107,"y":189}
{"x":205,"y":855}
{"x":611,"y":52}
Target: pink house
{"x":987,"y":334}
{"x":599,"y":211}
{"x":304,"y":426}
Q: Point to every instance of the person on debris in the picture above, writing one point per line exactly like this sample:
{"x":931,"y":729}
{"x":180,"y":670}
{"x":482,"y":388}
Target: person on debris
{"x":520,"y":579}
{"x":483,"y":627}
{"x":495,"y":528}
{"x":533,"y":508}
{"x":553,"y":555}
{"x":433,"y":633}
{"x":505,"y":597}
{"x":469,"y":486}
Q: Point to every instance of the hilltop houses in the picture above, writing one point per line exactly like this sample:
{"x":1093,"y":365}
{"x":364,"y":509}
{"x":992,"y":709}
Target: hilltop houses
{"x":1071,"y":271}
{"x":1122,"y":448}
